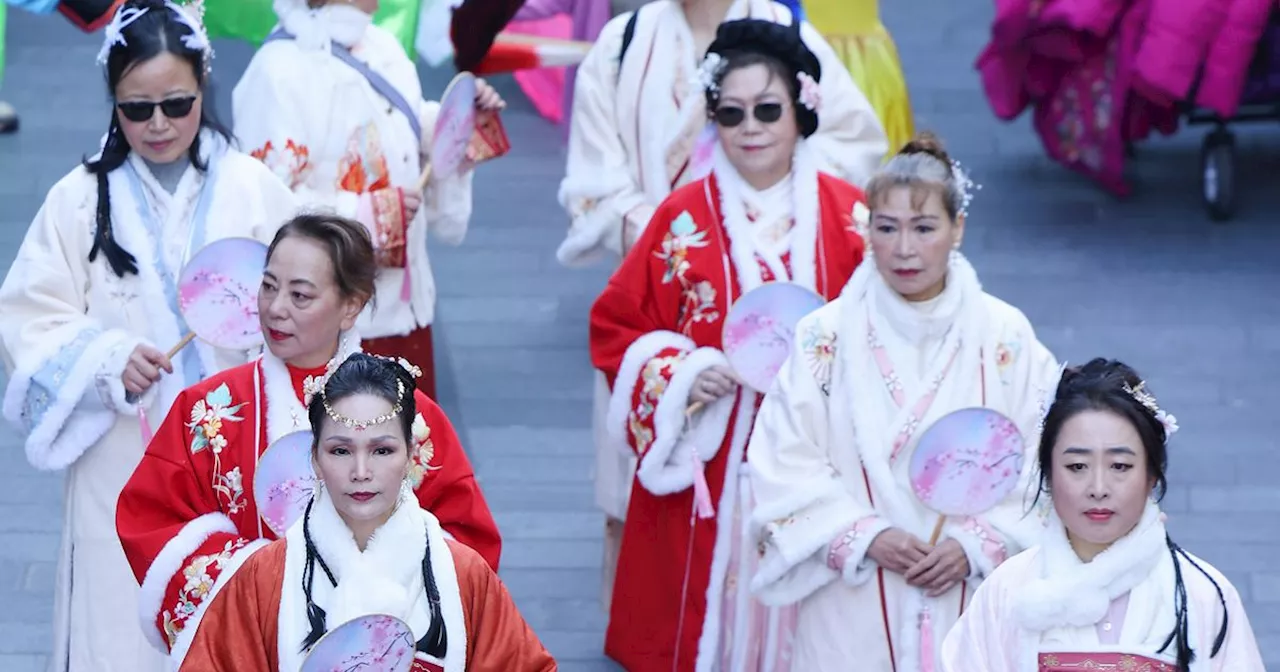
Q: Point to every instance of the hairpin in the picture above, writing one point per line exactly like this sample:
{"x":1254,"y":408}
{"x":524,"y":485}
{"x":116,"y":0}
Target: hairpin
{"x":1143,"y":397}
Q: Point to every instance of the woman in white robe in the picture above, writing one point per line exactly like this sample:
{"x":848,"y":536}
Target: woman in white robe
{"x":333,"y":105}
{"x":635,"y":122}
{"x":89,"y":308}
{"x":912,"y":338}
{"x":1106,"y":589}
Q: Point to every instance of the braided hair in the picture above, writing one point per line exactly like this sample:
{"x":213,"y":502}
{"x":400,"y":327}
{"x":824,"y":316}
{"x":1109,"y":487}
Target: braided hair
{"x":1103,"y":385}
{"x":157,"y":32}
{"x":386,"y":379}
{"x":780,"y":48}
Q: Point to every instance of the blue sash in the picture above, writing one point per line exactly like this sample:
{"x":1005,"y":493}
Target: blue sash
{"x":192,"y":368}
{"x":378,"y":82}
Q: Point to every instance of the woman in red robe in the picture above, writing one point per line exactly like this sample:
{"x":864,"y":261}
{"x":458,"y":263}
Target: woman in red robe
{"x":766,"y":213}
{"x":187,"y":517}
{"x":364,"y":547}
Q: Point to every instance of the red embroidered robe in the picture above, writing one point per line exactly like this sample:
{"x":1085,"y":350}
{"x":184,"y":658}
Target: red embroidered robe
{"x":656,"y":326}
{"x":187,"y":518}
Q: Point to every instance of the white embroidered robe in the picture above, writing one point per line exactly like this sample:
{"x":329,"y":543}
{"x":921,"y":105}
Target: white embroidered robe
{"x":320,"y":126}
{"x":632,"y":133}
{"x":993,"y":637}
{"x":824,"y":465}
{"x":68,"y":328}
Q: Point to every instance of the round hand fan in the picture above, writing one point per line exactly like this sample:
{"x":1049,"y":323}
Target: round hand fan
{"x":284,"y":481}
{"x":966,"y":463}
{"x":218,"y":294}
{"x":374,"y":642}
{"x":760,"y":329}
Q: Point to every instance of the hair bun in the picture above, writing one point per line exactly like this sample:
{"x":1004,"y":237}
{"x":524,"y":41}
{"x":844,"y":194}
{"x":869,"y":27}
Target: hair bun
{"x":927,"y":142}
{"x":781,"y":41}
{"x":1098,"y":375}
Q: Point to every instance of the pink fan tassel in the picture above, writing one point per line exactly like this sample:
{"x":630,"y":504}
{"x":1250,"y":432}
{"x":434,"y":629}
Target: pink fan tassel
{"x":406,"y":288}
{"x":926,"y":641}
{"x":146,"y":427}
{"x":701,"y":492}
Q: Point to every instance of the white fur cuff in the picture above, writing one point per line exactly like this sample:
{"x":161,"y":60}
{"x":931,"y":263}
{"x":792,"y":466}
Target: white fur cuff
{"x":634,"y":360}
{"x":983,"y":546}
{"x":667,"y":467}
{"x":168,"y":564}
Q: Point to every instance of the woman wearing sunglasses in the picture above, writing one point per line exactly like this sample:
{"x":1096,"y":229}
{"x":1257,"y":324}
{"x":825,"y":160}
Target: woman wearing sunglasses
{"x":333,"y":105}
{"x":766,"y":213}
{"x":90,"y":308}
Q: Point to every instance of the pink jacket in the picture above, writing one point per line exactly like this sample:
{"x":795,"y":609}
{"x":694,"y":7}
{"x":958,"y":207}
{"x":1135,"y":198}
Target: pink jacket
{"x":1227,"y":64}
{"x":1177,"y":37}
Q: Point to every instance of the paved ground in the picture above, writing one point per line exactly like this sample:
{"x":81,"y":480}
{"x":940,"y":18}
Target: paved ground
{"x":1148,"y":280}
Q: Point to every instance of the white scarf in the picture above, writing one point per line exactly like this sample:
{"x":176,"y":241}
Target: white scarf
{"x":285,"y":412}
{"x":386,"y":578}
{"x":962,"y":316}
{"x":744,"y":247}
{"x":314,"y":29}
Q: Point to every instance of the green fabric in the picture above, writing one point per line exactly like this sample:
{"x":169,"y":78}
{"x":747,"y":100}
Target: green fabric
{"x":1,"y":42}
{"x":252,"y":20}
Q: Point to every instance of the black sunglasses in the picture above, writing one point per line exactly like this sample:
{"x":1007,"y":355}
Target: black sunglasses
{"x":173,"y":108}
{"x":730,"y":116}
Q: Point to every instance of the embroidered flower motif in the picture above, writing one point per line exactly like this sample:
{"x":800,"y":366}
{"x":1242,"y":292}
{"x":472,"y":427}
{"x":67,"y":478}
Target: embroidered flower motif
{"x":699,"y":305}
{"x":654,"y":377}
{"x":200,"y":575}
{"x":292,"y":166}
{"x":230,"y":488}
{"x":820,"y":350}
{"x":426,"y":450}
{"x":207,"y":416}
{"x":810,"y":94}
{"x":681,"y":237}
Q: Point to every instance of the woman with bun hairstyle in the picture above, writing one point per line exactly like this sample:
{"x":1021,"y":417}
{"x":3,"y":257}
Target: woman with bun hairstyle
{"x":365,"y":546}
{"x":767,"y":213}
{"x":912,"y":338}
{"x":1106,"y":588}
{"x":333,"y":105}
{"x":90,"y":307}
{"x":189,"y":519}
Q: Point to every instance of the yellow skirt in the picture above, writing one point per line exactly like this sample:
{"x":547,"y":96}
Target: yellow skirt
{"x":853,"y":29}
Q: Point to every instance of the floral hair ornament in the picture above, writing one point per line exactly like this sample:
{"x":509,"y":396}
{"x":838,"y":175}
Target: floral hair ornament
{"x":966,"y":186}
{"x":1142,"y":396}
{"x":709,"y":72}
{"x":196,"y":40}
{"x":810,"y":93}
{"x":316,"y":385}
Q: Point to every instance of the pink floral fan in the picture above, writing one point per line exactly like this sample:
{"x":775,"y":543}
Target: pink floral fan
{"x":760,"y":329}
{"x":374,"y":642}
{"x":284,"y":481}
{"x":455,"y":126}
{"x":966,"y":463}
{"x":218,"y":294}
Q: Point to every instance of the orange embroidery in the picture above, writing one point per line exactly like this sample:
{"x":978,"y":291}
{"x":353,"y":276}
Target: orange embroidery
{"x":292,"y":166}
{"x":363,"y":168}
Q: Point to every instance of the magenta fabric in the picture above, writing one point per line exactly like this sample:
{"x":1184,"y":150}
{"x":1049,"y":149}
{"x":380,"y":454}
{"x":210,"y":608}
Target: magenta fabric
{"x":588,"y":19}
{"x":1100,"y":74}
{"x":1227,"y":63}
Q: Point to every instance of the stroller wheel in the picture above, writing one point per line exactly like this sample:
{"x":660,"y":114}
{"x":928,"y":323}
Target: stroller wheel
{"x":1217,"y":169}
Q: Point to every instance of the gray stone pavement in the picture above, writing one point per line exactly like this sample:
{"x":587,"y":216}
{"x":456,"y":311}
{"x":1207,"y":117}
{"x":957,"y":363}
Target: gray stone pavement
{"x":1148,"y":280}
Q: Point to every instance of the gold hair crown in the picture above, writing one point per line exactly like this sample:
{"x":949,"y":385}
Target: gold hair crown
{"x":316,"y":385}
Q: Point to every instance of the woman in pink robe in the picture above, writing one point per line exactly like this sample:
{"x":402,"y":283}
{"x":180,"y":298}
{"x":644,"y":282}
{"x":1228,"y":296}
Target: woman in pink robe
{"x":1107,"y":588}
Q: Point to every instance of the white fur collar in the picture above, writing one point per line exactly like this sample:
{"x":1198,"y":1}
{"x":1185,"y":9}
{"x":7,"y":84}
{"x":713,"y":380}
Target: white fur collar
{"x":742,"y":241}
{"x":918,"y":325}
{"x":386,"y":578}
{"x":314,"y":29}
{"x":285,"y":412}
{"x":1067,"y":592}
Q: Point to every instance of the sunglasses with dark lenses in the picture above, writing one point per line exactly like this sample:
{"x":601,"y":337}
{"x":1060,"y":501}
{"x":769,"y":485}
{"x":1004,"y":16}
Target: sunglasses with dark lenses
{"x":173,"y":108}
{"x":730,"y":116}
